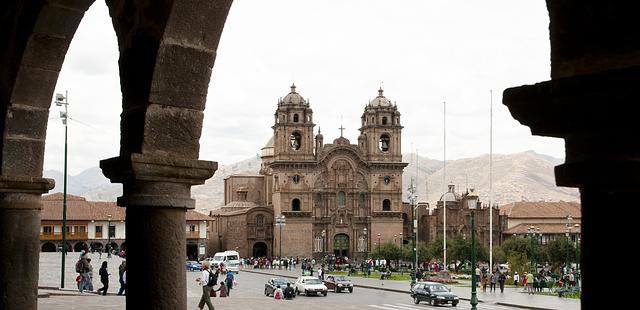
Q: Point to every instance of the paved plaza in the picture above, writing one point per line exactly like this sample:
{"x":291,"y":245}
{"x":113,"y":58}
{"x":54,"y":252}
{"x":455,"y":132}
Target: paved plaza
{"x":371,"y":293}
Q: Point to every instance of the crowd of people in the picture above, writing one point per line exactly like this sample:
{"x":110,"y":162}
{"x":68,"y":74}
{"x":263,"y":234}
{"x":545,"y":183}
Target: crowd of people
{"x":84,"y":280}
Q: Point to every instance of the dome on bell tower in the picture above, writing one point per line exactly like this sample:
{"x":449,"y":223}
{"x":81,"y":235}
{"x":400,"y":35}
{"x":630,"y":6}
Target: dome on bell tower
{"x":293,"y":97}
{"x":380,"y":101}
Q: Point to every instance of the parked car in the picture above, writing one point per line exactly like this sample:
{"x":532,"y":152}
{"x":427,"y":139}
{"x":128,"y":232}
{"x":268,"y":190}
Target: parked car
{"x":338,"y":283}
{"x":271,"y":285}
{"x":309,"y":285}
{"x":434,"y":293}
{"x":193,"y":266}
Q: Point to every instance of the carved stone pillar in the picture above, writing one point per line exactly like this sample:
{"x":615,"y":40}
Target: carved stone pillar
{"x":590,"y":103}
{"x":156,"y":193}
{"x":20,"y":241}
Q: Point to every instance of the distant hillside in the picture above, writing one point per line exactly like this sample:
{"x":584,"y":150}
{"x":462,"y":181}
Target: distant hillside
{"x":521,"y":176}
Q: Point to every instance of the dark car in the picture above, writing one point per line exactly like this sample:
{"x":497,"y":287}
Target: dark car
{"x":193,"y":266}
{"x":271,"y":285}
{"x":434,"y":293}
{"x":338,"y":283}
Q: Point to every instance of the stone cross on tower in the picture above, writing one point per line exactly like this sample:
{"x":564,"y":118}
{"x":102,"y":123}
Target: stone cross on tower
{"x":341,"y":128}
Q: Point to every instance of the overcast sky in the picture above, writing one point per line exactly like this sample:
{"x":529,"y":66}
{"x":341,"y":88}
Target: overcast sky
{"x":338,"y":53}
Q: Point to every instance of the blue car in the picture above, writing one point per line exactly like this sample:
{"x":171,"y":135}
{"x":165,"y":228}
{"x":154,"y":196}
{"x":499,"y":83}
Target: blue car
{"x":193,"y":266}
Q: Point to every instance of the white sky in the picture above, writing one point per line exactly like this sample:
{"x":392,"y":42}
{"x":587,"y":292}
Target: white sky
{"x":338,"y":53}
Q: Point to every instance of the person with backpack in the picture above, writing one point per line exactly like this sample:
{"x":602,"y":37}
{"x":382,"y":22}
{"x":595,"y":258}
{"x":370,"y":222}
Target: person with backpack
{"x":83,"y":267}
{"x":277,"y":294}
{"x":207,"y":280}
{"x":229,"y":281}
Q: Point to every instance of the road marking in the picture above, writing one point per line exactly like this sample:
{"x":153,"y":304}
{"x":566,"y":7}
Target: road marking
{"x":461,"y":305}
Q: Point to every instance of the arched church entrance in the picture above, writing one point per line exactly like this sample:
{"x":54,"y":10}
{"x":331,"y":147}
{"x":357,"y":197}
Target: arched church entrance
{"x":259,"y":249}
{"x":341,"y":245}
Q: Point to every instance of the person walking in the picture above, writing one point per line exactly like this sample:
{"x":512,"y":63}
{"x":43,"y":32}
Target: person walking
{"x":104,"y":278}
{"x":229,"y":281}
{"x":484,"y":281}
{"x":121,"y":269}
{"x":494,"y":279}
{"x":516,"y":278}
{"x":501,"y":279}
{"x":207,"y":280}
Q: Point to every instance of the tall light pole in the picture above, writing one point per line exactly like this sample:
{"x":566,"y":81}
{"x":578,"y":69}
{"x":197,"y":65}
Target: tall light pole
{"x":568,"y":234}
{"x":109,"y":235}
{"x":472,"y":200}
{"x":413,"y":200}
{"x":62,"y":100}
{"x":531,"y":232}
{"x":280,"y":221}
{"x":378,"y":244}
{"x":324,"y":236}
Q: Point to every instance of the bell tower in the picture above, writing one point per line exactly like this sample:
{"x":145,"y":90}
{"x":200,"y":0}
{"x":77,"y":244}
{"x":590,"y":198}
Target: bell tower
{"x":293,"y":129}
{"x":380,"y":135}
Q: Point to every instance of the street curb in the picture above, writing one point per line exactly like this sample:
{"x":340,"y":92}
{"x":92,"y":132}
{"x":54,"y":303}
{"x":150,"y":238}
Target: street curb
{"x":400,"y":291}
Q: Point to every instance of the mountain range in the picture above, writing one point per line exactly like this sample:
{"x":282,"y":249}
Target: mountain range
{"x":525,"y":176}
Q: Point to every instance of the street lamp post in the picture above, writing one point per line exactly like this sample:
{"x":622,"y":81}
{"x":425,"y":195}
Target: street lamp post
{"x":109,"y":236}
{"x":324,"y":235}
{"x":60,"y":101}
{"x":568,"y":235}
{"x":531,"y":231}
{"x":472,"y":200}
{"x":280,"y":221}
{"x":378,"y":244}
{"x":413,"y":200}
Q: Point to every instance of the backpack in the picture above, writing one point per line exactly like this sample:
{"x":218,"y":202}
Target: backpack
{"x":213,"y":278}
{"x":277,"y":295}
{"x":79,"y":266}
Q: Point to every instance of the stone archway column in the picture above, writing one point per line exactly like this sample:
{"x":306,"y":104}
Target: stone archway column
{"x":20,"y":242}
{"x":591,"y":102}
{"x":156,"y":193}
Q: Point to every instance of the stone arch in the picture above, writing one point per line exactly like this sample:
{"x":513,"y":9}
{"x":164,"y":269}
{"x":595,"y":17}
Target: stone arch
{"x":386,"y":205}
{"x":295,"y":204}
{"x":80,"y":246}
{"x":260,"y":249}
{"x":48,"y":247}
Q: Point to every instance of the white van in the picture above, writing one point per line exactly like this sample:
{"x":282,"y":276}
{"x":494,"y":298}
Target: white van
{"x":231,"y":260}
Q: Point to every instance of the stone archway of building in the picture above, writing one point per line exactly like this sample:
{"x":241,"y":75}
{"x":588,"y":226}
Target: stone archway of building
{"x":48,"y":247}
{"x":79,"y":246}
{"x":192,"y":251}
{"x":260,"y":249}
{"x":341,"y":245}
{"x":96,"y":246}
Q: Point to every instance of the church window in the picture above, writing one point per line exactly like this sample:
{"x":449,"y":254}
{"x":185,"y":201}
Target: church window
{"x":295,"y":205}
{"x":341,"y":199}
{"x":260,"y":220}
{"x":318,"y":198}
{"x":384,"y":142}
{"x":296,"y":179}
{"x":295,"y":139}
{"x":362,"y":197}
{"x":295,"y":118}
{"x":384,"y":120}
{"x":386,"y":205}
{"x":387,"y":180}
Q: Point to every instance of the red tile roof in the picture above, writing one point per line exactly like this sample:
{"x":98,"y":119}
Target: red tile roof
{"x":541,"y":209}
{"x":79,"y":209}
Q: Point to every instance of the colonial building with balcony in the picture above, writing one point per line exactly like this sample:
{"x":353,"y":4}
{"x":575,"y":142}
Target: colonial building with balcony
{"x":547,"y":220}
{"x":91,"y":225}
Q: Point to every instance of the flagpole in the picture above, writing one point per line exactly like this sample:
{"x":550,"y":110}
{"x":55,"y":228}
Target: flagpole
{"x":444,"y":183}
{"x":491,"y":180}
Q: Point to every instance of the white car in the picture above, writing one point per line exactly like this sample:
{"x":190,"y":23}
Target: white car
{"x":309,"y":285}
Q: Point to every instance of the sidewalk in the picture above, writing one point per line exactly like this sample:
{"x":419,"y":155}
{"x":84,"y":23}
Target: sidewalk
{"x":513,"y":297}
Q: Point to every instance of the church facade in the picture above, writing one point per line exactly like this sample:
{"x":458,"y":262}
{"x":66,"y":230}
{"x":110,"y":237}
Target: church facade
{"x":311,"y":198}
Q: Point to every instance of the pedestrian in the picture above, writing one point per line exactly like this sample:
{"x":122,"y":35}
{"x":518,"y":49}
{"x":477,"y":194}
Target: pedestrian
{"x":484,"y":281}
{"x":83,"y":267}
{"x":501,"y":279}
{"x":529,"y":280}
{"x":207,"y":280}
{"x":229,"y":281}
{"x":494,"y":279}
{"x":516,"y":278}
{"x":288,"y":292}
{"x":223,"y":290}
{"x":524,"y":281}
{"x":104,"y":278}
{"x":320,"y":273}
{"x":277,"y":294}
{"x":121,"y":269}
